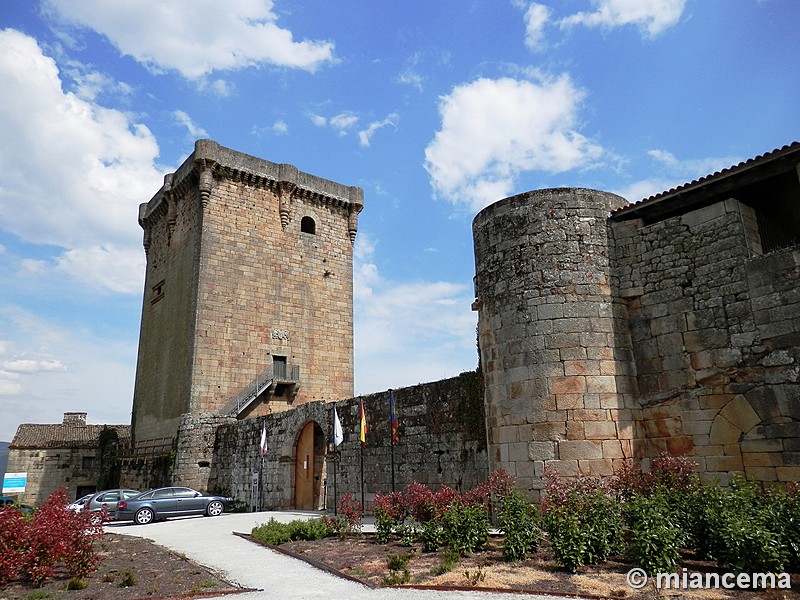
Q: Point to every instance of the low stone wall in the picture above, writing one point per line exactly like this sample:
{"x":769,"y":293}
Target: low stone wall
{"x":441,"y":441}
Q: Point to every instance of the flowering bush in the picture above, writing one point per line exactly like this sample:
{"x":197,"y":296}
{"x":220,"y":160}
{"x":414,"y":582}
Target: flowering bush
{"x":30,"y":549}
{"x":352,"y":511}
{"x":419,"y":513}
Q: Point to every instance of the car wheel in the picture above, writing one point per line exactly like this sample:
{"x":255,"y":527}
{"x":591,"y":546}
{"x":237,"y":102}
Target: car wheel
{"x":144,"y":516}
{"x":215,"y":508}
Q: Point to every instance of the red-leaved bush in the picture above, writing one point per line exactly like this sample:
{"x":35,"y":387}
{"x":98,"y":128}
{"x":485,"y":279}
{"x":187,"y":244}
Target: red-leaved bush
{"x":31,"y":548}
{"x":352,"y":511}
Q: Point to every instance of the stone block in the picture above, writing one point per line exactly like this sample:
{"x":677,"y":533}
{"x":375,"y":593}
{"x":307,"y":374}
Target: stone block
{"x":567,"y":385}
{"x":724,"y":432}
{"x":565,"y":468}
{"x":762,"y":473}
{"x":579,"y":450}
{"x":575,"y":430}
{"x":541,"y":451}
{"x":724,"y":463}
{"x":739,"y":412}
{"x":554,"y":430}
{"x":600,"y":430}
{"x":756,"y":446}
{"x":613,"y":449}
{"x":569,"y":401}
{"x":788,"y":473}
{"x":601,"y":384}
{"x":762,"y":459}
{"x":596,"y":468}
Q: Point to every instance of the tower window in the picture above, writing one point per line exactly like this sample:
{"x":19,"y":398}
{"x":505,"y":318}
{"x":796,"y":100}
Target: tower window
{"x":307,"y":225}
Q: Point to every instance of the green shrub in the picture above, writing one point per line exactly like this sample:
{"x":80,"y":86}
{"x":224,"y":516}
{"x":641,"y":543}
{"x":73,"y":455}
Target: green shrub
{"x":465,"y":529}
{"x":584,"y":529}
{"x":656,"y":539}
{"x":520,"y":522}
{"x":398,"y":569}
{"x":76,"y":583}
{"x":447,"y":563}
{"x":409,"y":533}
{"x":568,"y":540}
{"x":128,"y":579}
{"x":431,"y":535}
{"x":745,"y":528}
{"x":275,"y":533}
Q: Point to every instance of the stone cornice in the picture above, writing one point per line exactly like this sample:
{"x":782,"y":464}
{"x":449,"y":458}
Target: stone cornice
{"x":285,"y":180}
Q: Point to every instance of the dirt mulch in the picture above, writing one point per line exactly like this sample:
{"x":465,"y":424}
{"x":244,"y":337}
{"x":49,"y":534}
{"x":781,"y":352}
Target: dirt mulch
{"x":360,"y":558}
{"x":149,"y":570}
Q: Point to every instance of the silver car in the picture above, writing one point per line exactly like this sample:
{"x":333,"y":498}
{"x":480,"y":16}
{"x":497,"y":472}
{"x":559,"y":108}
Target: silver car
{"x":108,"y":499}
{"x":80,"y":503}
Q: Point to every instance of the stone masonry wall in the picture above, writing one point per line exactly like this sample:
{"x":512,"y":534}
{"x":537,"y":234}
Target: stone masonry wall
{"x":560,"y":389}
{"x":442,"y":441}
{"x":236,"y":283}
{"x":713,"y":332}
{"x":50,"y":469}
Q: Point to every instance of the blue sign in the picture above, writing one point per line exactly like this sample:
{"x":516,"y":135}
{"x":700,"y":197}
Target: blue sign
{"x":14,"y":483}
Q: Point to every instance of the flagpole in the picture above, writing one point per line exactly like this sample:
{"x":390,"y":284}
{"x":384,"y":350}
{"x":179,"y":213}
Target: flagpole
{"x":391,"y":430}
{"x":362,"y":475}
{"x":338,"y":438}
{"x":363,"y":437}
{"x":335,"y":495}
{"x":261,"y":486}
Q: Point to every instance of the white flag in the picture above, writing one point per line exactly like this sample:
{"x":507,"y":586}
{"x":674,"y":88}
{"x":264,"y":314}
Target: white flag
{"x":338,"y":436}
{"x":263,"y":446}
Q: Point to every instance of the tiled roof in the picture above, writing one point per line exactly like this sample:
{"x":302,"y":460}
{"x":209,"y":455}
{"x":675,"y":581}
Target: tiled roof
{"x":660,"y":201}
{"x":64,"y":435}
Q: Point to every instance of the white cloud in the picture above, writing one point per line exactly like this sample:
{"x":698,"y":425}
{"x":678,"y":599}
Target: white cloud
{"x":536,"y":17}
{"x":365,"y":135}
{"x":653,"y":17}
{"x":48,"y":369}
{"x":672,"y":172}
{"x":430,"y":325}
{"x":318,"y":120}
{"x":28,"y":365}
{"x":79,"y":169}
{"x":343,"y":122}
{"x":195,"y":37}
{"x":495,"y":129}
{"x":195,"y":131}
{"x":280,"y":127}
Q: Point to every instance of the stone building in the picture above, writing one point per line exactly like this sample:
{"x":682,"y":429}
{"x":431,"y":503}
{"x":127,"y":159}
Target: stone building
{"x":72,"y":454}
{"x":248,"y":304}
{"x":606,"y":330}
{"x":610,"y":330}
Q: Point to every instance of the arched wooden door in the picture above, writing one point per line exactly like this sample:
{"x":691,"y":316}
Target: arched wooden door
{"x":304,"y":469}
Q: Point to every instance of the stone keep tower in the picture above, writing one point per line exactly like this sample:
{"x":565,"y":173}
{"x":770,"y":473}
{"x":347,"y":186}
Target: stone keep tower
{"x":248,"y":300}
{"x":559,"y":386}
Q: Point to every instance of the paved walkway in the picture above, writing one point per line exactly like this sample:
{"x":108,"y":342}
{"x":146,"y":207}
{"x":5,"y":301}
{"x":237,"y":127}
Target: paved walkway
{"x":210,"y":542}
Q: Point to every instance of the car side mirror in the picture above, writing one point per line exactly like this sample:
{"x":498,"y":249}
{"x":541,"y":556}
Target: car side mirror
{"x":197,"y":494}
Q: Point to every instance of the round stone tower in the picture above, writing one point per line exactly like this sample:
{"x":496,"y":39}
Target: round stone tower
{"x":552,"y":343}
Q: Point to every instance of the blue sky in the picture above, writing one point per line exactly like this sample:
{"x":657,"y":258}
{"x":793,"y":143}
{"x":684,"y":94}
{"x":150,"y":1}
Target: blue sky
{"x":436,"y":109}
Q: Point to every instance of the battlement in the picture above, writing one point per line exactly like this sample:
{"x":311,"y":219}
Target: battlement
{"x":286,"y":180}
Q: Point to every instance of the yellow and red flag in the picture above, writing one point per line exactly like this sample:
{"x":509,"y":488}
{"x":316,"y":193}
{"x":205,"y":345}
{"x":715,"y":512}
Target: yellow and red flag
{"x":393,"y":418}
{"x":363,"y":433}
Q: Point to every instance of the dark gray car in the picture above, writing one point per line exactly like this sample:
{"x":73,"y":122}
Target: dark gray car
{"x":170,"y":502}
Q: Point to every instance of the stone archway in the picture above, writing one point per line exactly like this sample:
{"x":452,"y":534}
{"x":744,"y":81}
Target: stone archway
{"x":309,"y":467}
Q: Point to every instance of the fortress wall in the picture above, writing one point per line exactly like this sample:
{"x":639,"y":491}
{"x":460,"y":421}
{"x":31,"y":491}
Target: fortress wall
{"x":441,"y":442}
{"x":713,"y":327}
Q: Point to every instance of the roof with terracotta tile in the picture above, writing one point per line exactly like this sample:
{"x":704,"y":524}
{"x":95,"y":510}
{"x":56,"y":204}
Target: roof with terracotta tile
{"x":714,"y":187}
{"x":63,"y":435}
